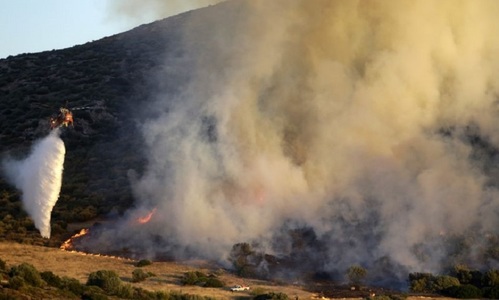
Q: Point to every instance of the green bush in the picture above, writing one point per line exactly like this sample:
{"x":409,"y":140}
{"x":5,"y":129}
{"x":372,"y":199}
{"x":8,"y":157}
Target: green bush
{"x":201,"y":279}
{"x":27,"y":272}
{"x":124,"y":291}
{"x":138,"y":275}
{"x":214,"y":282}
{"x":190,"y":278}
{"x":141,"y":294}
{"x":72,"y":285}
{"x":51,"y":279}
{"x":272,"y":296}
{"x":143,"y":263}
{"x":93,"y":293}
{"x":106,"y":280}
{"x":465,"y":291}
{"x":16,"y":282}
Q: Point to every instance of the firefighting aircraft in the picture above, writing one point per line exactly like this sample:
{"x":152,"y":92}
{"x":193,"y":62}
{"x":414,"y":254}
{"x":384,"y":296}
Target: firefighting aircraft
{"x":65,"y":117}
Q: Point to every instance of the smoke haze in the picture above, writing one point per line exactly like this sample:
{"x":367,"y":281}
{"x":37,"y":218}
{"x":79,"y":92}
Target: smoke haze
{"x":149,"y":9}
{"x":372,"y":125}
{"x":39,"y":178}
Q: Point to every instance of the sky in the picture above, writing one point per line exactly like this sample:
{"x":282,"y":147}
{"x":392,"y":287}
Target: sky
{"x":29,"y":26}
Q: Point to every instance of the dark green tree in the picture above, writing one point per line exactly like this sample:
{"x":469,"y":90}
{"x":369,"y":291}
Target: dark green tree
{"x":356,"y":274}
{"x":242,"y":256}
{"x":421,"y":282}
{"x":491,"y":278}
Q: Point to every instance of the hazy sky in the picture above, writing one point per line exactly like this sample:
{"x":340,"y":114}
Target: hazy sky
{"x":28,"y":26}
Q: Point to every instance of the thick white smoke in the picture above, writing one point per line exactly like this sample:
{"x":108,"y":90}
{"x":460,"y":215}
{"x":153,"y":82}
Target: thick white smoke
{"x":39,"y":178}
{"x":372,"y":124}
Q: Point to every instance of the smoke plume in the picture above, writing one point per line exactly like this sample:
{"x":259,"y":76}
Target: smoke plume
{"x":39,"y":178}
{"x":368,"y":128}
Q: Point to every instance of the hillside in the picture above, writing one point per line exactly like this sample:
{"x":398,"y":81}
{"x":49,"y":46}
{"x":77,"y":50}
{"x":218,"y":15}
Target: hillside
{"x":168,"y":274}
{"x":111,"y":80}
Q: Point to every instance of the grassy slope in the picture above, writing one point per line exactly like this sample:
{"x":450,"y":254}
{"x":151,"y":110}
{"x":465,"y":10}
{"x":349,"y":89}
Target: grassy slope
{"x":79,"y":266}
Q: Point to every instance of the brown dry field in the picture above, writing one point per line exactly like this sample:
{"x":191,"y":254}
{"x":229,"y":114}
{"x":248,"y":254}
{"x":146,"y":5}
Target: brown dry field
{"x":168,"y":274}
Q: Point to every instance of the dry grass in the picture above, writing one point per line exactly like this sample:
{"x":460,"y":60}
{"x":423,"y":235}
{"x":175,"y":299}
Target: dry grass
{"x":168,"y":274}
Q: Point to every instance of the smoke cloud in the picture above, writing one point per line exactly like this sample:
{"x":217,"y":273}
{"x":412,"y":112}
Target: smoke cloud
{"x":39,"y":178}
{"x":146,"y":10}
{"x":370,"y":125}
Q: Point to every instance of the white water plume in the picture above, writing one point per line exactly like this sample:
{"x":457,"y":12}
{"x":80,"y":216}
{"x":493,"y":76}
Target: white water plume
{"x":39,"y":178}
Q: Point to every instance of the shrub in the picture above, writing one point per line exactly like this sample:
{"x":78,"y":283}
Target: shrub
{"x":465,"y":291}
{"x":273,"y":296}
{"x":124,"y":291}
{"x":106,"y":280}
{"x":201,"y":279}
{"x":51,"y":279}
{"x":93,"y":293}
{"x":16,"y":282}
{"x":139,"y":275}
{"x":72,"y":285}
{"x":190,"y":278}
{"x":214,"y":282}
{"x":27,"y":272}
{"x":140,"y":293}
{"x":143,"y":263}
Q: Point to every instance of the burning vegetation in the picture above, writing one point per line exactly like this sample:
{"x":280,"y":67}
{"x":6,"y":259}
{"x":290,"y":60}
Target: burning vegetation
{"x":145,"y":219}
{"x":68,"y":245}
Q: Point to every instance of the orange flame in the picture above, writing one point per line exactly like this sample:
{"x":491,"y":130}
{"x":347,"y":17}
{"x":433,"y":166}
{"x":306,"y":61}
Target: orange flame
{"x":69,"y":247}
{"x":68,"y":244}
{"x":146,"y":218}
